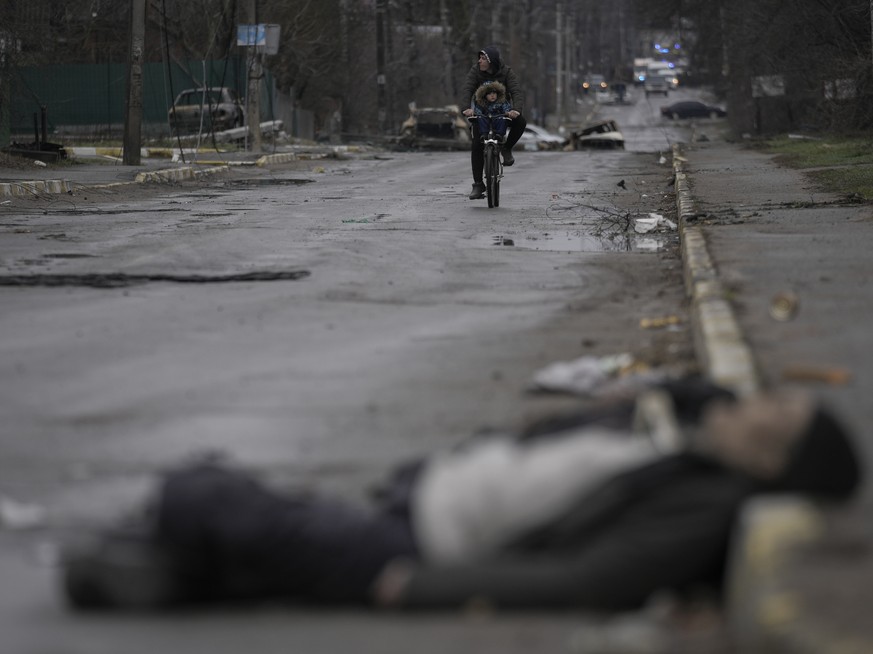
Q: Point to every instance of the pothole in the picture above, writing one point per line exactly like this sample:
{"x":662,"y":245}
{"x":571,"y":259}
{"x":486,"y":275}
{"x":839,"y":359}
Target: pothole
{"x":117,"y":280}
{"x":268,"y":181}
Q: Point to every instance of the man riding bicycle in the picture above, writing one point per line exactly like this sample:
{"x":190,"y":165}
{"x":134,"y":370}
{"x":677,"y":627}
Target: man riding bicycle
{"x":490,"y":68}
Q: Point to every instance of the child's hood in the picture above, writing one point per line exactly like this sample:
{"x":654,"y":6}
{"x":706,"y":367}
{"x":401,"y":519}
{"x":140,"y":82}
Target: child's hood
{"x":483,"y":90}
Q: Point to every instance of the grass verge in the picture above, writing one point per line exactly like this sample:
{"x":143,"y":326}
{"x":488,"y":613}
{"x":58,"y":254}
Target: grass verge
{"x":840,"y":164}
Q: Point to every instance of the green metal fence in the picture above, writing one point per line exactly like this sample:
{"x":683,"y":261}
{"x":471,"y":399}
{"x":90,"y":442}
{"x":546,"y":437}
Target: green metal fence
{"x":93,"y":95}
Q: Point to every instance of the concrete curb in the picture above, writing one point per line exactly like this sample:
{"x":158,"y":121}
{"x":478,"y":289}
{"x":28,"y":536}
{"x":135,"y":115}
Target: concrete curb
{"x":17,"y":189}
{"x":28,"y":188}
{"x":145,"y":153}
{"x":178,"y":174}
{"x":719,"y":343}
{"x":268,"y":159}
{"x":169,"y":175}
{"x":764,"y":613}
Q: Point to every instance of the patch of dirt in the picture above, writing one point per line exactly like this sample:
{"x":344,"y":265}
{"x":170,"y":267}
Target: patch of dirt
{"x":9,"y":162}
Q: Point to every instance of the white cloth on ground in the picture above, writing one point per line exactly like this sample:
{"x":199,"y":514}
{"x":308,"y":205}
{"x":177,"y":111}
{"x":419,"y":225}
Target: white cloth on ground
{"x":470,"y":503}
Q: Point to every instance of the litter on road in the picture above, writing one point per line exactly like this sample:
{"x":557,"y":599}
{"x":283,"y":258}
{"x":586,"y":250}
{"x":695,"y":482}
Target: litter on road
{"x":651,"y":223}
{"x":582,"y":375}
{"x":18,"y":515}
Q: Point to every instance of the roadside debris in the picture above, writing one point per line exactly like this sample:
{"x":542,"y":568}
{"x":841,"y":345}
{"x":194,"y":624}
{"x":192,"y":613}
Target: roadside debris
{"x":651,"y":223}
{"x":20,"y":516}
{"x":657,"y":323}
{"x":833,"y":376}
{"x":784,"y":306}
{"x":583,"y":375}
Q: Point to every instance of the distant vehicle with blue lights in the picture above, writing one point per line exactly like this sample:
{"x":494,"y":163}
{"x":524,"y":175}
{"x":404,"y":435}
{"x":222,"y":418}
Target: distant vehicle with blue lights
{"x":641,"y":69}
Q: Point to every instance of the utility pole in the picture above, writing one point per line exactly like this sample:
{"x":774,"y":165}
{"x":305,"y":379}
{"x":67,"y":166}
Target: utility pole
{"x":133,"y":100}
{"x":380,"y":63}
{"x":254,"y":82}
{"x":559,"y":62}
{"x":449,"y":87}
{"x":6,"y":41}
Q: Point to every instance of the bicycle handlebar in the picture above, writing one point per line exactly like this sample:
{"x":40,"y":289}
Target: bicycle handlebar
{"x":477,"y":116}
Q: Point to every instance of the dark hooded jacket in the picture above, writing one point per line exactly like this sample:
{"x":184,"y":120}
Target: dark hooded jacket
{"x":497,"y":72}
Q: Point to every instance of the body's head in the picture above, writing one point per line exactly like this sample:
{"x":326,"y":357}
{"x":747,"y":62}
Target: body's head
{"x":784,"y":438}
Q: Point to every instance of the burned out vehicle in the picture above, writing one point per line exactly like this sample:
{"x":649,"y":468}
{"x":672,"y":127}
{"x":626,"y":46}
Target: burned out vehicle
{"x":539,"y":138}
{"x":439,"y":127}
{"x":602,"y":134}
{"x":220,"y":108}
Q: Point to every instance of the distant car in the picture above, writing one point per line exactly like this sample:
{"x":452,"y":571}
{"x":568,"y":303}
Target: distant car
{"x":594,"y":83}
{"x":221,"y":108}
{"x":539,"y":138}
{"x":691,"y":109}
{"x":657,"y":84}
{"x":435,"y":126}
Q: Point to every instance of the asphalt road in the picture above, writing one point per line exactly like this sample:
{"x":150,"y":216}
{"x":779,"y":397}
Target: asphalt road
{"x":391,"y":316}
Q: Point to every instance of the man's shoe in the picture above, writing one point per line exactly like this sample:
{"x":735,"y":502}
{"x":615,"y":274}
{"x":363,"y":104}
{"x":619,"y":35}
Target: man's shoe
{"x":478,"y":191}
{"x":118,"y":570}
{"x":508,"y":159}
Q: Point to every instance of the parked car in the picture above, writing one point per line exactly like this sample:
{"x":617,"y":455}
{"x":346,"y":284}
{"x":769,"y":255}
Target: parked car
{"x":539,"y":138}
{"x":435,"y":127}
{"x":221,"y":108}
{"x":691,"y":109}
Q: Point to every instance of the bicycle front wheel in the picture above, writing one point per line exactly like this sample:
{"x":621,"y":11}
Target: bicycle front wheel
{"x":492,"y":173}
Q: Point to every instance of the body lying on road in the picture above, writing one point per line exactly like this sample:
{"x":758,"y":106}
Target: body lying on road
{"x":584,"y":511}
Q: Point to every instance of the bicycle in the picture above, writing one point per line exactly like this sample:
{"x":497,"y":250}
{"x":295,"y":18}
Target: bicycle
{"x":493,"y":169}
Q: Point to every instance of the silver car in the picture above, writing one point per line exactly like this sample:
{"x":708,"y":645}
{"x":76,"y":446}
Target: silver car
{"x":220,"y":109}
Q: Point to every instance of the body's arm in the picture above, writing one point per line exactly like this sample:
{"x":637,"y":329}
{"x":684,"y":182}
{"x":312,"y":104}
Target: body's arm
{"x":677,"y":539}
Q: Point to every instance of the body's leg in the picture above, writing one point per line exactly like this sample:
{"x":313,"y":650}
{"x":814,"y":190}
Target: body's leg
{"x":219,"y":534}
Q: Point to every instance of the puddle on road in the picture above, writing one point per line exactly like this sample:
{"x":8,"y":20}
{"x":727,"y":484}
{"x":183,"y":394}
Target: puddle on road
{"x":574,"y":242}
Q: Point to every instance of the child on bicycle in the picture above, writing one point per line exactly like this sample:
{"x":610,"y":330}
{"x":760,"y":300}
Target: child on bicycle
{"x":490,"y":99}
